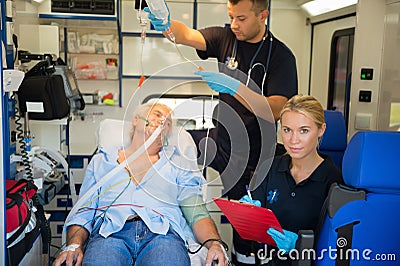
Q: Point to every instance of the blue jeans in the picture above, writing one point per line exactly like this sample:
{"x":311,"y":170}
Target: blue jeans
{"x":136,"y":245}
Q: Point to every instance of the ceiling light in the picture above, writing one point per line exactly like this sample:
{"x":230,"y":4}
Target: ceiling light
{"x":317,"y":7}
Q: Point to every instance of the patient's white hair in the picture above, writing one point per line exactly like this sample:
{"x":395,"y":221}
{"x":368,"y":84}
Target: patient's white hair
{"x":144,"y":109}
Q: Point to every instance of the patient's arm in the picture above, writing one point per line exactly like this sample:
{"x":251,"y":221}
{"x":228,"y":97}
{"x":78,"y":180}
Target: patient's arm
{"x":205,"y":229}
{"x":76,"y":236}
{"x":196,"y":214}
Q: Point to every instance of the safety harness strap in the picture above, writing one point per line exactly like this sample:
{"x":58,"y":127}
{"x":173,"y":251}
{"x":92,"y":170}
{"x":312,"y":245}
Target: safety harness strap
{"x":343,"y":244}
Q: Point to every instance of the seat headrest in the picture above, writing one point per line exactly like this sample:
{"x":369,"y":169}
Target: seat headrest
{"x":371,"y":161}
{"x":114,"y":133}
{"x":335,"y":136}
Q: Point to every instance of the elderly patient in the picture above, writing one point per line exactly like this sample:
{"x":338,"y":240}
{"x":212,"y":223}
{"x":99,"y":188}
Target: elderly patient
{"x":149,"y":211}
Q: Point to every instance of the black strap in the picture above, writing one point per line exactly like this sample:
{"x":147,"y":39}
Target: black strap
{"x":343,"y":245}
{"x":40,"y":69}
{"x":45,"y":230}
{"x":321,"y":220}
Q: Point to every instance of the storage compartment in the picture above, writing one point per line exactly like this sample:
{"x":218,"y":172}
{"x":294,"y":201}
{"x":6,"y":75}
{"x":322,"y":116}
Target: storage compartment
{"x":93,"y":54}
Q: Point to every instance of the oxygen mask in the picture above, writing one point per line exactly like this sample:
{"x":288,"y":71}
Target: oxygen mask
{"x":153,"y":123}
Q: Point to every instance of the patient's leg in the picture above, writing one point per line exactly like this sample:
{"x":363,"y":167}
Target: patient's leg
{"x":106,"y":251}
{"x":168,"y":250}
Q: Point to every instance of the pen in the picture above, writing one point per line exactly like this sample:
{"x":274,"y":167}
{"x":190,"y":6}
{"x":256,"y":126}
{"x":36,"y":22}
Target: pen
{"x":248,"y":192}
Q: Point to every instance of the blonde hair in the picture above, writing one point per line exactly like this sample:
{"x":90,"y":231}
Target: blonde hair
{"x":306,"y":105}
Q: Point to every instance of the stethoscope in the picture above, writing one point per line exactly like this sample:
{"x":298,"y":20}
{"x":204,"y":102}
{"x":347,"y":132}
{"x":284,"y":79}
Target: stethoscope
{"x":233,"y":64}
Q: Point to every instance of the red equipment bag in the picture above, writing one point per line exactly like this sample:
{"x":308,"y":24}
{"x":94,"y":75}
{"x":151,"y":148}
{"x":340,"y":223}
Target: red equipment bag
{"x":18,"y":211}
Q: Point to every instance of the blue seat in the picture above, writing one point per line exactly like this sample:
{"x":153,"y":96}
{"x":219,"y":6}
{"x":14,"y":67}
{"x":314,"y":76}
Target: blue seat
{"x":363,"y":220}
{"x":334,"y":140}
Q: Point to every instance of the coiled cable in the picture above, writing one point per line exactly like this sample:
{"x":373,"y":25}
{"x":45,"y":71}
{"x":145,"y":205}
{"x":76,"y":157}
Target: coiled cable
{"x":21,"y":140}
{"x":44,"y":224}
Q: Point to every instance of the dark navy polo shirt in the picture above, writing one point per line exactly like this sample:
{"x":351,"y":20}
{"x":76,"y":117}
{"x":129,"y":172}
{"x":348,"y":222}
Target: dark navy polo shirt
{"x":297,"y":206}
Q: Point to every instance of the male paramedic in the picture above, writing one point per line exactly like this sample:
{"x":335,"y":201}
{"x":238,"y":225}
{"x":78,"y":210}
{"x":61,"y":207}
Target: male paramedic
{"x":150,"y":209}
{"x":249,"y":46}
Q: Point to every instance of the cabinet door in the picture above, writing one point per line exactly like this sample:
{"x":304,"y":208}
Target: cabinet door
{"x":93,"y":54}
{"x":211,"y":14}
{"x":158,"y":53}
{"x":39,"y":39}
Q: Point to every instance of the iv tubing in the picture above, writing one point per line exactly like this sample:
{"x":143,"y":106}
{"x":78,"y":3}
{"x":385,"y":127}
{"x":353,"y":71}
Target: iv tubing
{"x":143,"y":25}
{"x":206,"y":142}
{"x":108,"y":176}
{"x":143,"y":37}
{"x":184,"y":57}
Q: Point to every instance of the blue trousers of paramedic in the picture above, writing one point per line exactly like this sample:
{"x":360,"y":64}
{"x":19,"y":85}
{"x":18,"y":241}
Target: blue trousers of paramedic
{"x":136,"y":245}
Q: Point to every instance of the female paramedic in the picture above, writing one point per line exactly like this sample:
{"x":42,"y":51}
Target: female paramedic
{"x":298,"y":182}
{"x":146,"y":213}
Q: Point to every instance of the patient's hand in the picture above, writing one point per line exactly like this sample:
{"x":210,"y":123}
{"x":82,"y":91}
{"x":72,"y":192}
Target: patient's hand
{"x":216,"y":254}
{"x":70,"y":257}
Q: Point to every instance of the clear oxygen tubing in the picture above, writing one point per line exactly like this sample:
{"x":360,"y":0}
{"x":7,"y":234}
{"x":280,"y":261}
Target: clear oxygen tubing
{"x":82,"y":200}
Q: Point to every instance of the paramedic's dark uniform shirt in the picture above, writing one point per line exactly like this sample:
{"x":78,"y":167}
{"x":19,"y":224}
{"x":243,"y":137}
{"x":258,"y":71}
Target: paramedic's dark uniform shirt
{"x":281,"y":79}
{"x":298,"y":206}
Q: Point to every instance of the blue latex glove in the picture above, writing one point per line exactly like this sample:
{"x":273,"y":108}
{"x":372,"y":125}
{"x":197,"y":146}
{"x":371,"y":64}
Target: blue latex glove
{"x":286,"y":241}
{"x":247,"y":199}
{"x":220,"y":82}
{"x":158,"y":23}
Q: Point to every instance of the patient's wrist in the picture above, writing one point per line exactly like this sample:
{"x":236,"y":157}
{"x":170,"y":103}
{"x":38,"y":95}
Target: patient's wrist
{"x":215,"y":241}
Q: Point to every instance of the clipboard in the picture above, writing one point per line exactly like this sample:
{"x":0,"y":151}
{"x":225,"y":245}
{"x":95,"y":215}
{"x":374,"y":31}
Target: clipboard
{"x":251,"y":222}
